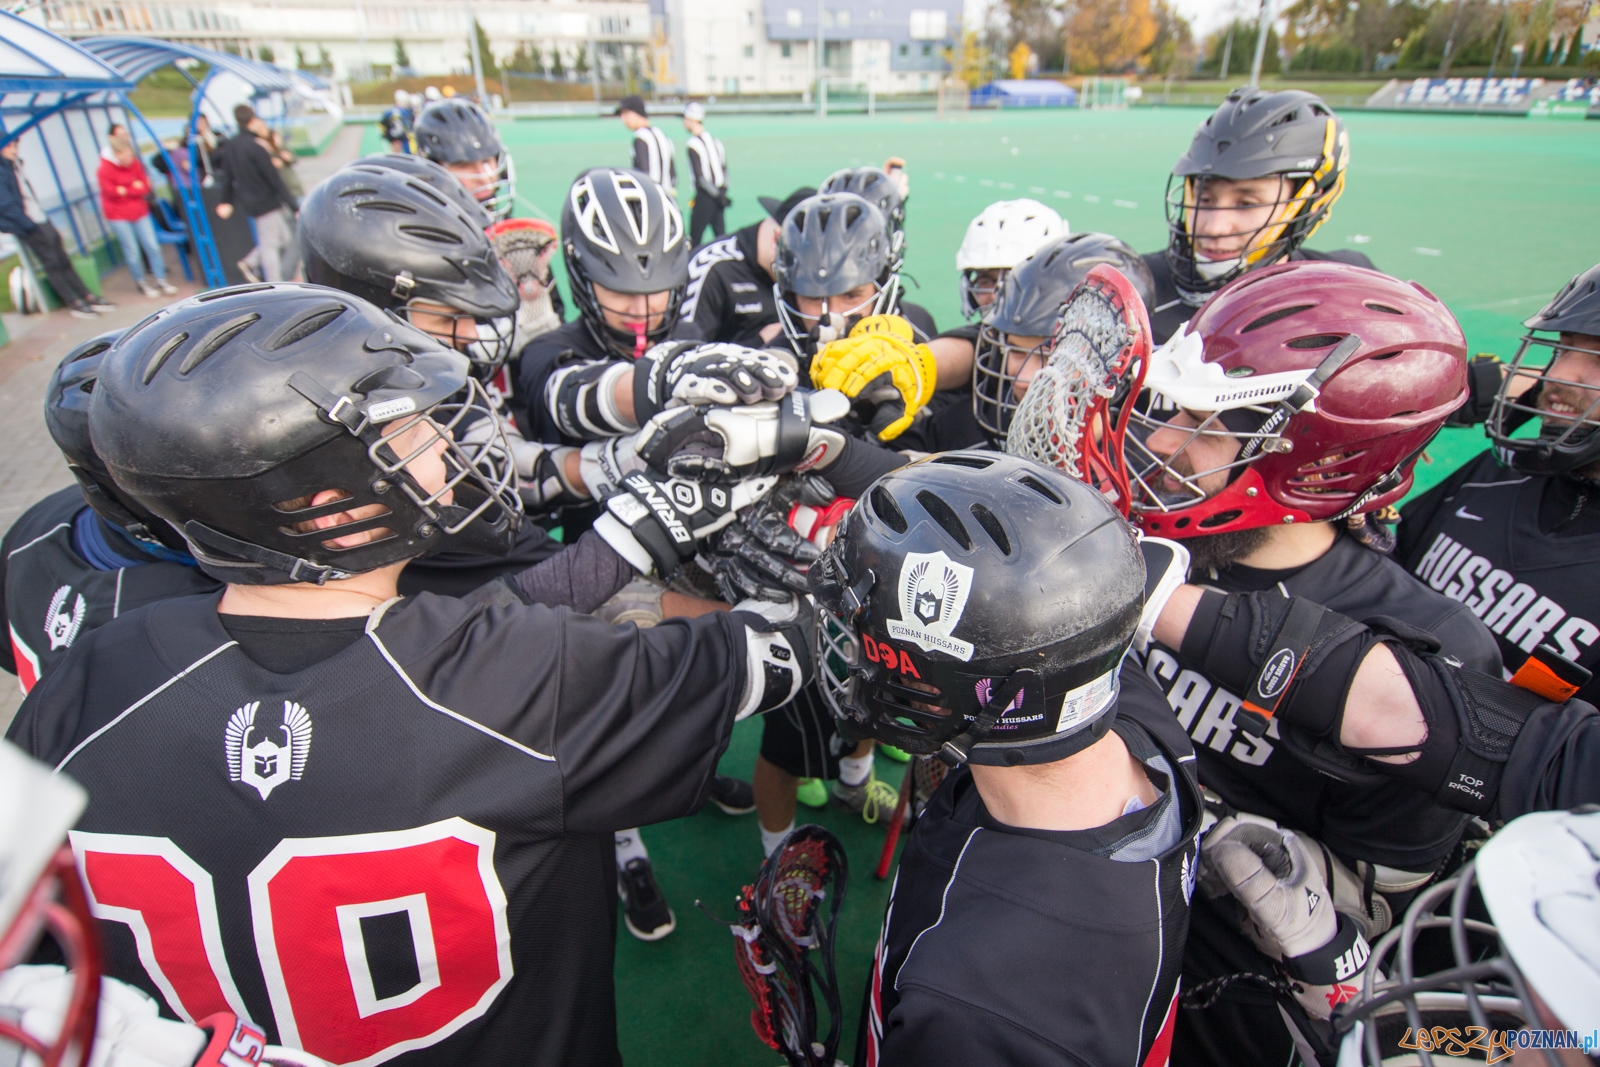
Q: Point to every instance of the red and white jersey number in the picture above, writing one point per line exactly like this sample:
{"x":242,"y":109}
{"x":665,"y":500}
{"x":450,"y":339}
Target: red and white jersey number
{"x":318,"y":908}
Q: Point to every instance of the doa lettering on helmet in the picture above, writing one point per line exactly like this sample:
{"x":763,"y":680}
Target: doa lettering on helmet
{"x":894,"y":658}
{"x":1276,"y":674}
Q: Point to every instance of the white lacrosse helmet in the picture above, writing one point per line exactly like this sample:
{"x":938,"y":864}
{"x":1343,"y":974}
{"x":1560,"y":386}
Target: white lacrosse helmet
{"x":1004,"y":234}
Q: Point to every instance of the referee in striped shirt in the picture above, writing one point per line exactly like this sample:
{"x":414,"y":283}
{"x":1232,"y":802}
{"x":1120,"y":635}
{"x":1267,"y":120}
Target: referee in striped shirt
{"x":709,"y":163}
{"x":652,"y":149}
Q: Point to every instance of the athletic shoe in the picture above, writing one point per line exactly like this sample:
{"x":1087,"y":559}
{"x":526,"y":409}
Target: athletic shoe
{"x":98,"y":303}
{"x":149,"y":289}
{"x":166,"y":287}
{"x":249,"y":273}
{"x":812,"y":793}
{"x":732,"y":795}
{"x":899,"y":755}
{"x":644,"y":909}
{"x":82,"y":310}
{"x":870,"y":799}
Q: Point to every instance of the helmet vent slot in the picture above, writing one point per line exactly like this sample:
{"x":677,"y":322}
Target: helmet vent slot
{"x":209,"y":345}
{"x":92,"y":350}
{"x":946,"y":517}
{"x":977,"y":463}
{"x":991,"y":526}
{"x":306,"y":326}
{"x":1273,"y":316}
{"x":1373,"y":305}
{"x":1221,"y":518}
{"x":1317,"y":340}
{"x":431,"y":233}
{"x":1039,"y":487}
{"x":883,"y":504}
{"x":152,"y":368}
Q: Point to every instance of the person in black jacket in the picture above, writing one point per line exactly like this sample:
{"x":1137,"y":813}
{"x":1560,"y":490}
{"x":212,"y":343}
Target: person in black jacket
{"x":249,"y":181}
{"x":1260,"y":177}
{"x":22,"y":216}
{"x":708,"y":160}
{"x":1515,"y":533}
{"x":398,"y":811}
{"x":729,"y":297}
{"x":980,"y":607}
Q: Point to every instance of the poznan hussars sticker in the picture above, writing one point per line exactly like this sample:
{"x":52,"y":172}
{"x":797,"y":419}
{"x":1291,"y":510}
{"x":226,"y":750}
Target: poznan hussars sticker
{"x":933,"y":593}
{"x":256,"y":758}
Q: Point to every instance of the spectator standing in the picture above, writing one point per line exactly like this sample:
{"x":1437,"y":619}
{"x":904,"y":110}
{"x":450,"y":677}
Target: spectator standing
{"x":396,"y":123}
{"x":250,"y":180}
{"x":284,"y":159}
{"x":22,"y":216}
{"x":709,"y":162}
{"x":125,"y":196}
{"x":652,"y":149}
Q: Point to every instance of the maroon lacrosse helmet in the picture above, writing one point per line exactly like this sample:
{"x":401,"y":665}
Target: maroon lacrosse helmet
{"x":1331,"y":378}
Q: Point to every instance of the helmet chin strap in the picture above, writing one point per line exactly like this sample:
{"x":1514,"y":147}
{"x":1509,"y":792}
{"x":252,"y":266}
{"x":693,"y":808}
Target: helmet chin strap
{"x":641,"y":339}
{"x":954,"y":752}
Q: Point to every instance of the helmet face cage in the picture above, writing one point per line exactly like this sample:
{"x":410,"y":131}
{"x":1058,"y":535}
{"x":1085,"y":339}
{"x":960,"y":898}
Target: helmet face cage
{"x":1478,"y":990}
{"x":1298,"y":210}
{"x":975,"y":285}
{"x":486,"y":342}
{"x":1565,"y":443}
{"x":833,"y":323}
{"x":994,"y":397}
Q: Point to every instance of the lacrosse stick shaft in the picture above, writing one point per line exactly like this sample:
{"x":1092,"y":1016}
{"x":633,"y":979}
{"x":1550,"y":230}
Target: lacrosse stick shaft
{"x":886,"y":858}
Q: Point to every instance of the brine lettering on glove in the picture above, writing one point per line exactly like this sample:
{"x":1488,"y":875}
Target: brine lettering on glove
{"x":731,"y":443}
{"x":779,"y":637}
{"x":881,"y":368}
{"x":657,"y":524}
{"x":691,"y":372}
{"x":1288,"y":909}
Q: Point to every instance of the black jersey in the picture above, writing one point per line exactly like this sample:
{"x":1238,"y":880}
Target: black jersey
{"x":1170,"y":309}
{"x":730,"y":296}
{"x":402,"y":853}
{"x":52,"y":595}
{"x":1387,"y":823}
{"x":1479,"y":538}
{"x":1016,"y":946}
{"x":459,"y":573}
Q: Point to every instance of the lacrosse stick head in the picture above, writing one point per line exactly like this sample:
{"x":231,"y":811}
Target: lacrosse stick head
{"x":1073,"y":415}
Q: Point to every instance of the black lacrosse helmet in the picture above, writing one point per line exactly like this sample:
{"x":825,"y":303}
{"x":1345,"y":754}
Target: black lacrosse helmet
{"x":1259,"y":134}
{"x":830,"y":244}
{"x":977,"y":605}
{"x":426,"y":170}
{"x":878,"y":189}
{"x":224,"y":413}
{"x":459,"y":131}
{"x":620,"y":230}
{"x":1563,"y":445}
{"x":1028,"y":306}
{"x":393,"y":239}
{"x":66,"y":416}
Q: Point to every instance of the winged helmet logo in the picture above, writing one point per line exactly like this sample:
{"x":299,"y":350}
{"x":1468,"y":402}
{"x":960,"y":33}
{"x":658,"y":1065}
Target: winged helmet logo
{"x":60,"y":625}
{"x":933,"y":594}
{"x":266,"y":764}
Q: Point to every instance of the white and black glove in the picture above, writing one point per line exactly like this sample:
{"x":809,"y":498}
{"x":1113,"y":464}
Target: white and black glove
{"x":760,"y":556}
{"x":129,"y":1030}
{"x":778,"y":651}
{"x":1287,"y":909}
{"x":675,"y":373}
{"x":1166,"y":567}
{"x":730,"y":443}
{"x":657,"y":524}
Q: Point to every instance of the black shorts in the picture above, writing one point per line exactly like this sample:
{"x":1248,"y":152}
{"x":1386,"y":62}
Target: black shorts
{"x":802,"y":737}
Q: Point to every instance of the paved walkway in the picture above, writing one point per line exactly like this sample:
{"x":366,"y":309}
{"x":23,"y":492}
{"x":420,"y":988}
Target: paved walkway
{"x":30,"y":466}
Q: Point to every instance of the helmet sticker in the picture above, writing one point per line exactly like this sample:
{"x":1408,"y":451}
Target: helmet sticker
{"x":1087,"y":701}
{"x":933,"y":593}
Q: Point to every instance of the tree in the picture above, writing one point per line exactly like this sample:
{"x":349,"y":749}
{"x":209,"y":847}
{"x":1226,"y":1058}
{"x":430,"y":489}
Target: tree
{"x":1174,"y":39}
{"x":558,"y":68}
{"x":300,"y":58}
{"x":580,"y":64}
{"x":324,"y":60}
{"x":1038,"y":23}
{"x":1109,"y":35}
{"x":1020,"y":59}
{"x":1244,"y":48}
{"x":402,"y":58}
{"x":485,"y":53}
{"x":265,"y":53}
{"x":970,"y":62}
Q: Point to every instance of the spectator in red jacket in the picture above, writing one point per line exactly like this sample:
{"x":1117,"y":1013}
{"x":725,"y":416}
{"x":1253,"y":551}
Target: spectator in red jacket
{"x":124,"y":199}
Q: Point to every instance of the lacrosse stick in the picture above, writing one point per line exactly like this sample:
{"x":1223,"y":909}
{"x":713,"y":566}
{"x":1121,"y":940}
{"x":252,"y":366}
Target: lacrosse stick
{"x":1075,"y":413}
{"x":785,"y":926}
{"x":886,"y":857}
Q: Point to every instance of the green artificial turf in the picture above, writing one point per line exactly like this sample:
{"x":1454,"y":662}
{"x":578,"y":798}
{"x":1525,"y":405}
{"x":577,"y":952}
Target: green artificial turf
{"x":1492,"y":214}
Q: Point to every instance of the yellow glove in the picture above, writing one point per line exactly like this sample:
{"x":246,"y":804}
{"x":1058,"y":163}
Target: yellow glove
{"x":879,"y":366}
